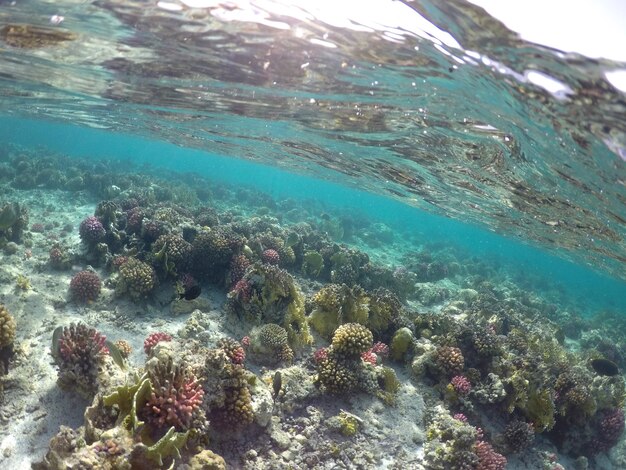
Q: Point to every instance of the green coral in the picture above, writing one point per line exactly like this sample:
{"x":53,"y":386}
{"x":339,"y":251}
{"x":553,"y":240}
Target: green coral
{"x":349,"y":424}
{"x":172,"y":253}
{"x":274,"y":298}
{"x":312,"y":264}
{"x":401,"y":344}
{"x":336,"y":304}
{"x":540,"y":410}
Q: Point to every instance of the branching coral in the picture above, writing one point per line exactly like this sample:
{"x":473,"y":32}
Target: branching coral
{"x":79,"y":352}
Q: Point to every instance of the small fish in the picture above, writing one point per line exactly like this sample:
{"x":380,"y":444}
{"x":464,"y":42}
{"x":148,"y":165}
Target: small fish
{"x":56,"y":336}
{"x":115,"y":354}
{"x":604,"y":367}
{"x":191,"y":293}
{"x":277,"y":383}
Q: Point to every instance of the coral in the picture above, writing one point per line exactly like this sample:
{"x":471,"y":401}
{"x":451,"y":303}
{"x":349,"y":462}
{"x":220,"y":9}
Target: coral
{"x":107,"y":212}
{"x":486,"y":343}
{"x":461,"y":385}
{"x":270,"y":344}
{"x":7,"y":328}
{"x":37,"y":228}
{"x":449,"y":360}
{"x":136,"y":278}
{"x":401,"y":343}
{"x":227,"y":398}
{"x":238,"y":266}
{"x":141,"y":450}
{"x":336,"y":304}
{"x":176,"y":397}
{"x":212,"y":250}
{"x":79,"y":353}
{"x":172,"y":253}
{"x":22,"y":282}
{"x":337,"y":376}
{"x":91,"y":230}
{"x":349,"y":424}
{"x":124,"y":348}
{"x":233,"y":349}
{"x":351,"y":340}
{"x":518,"y":435}
{"x":206,"y":460}
{"x":384,"y":311}
{"x":575,"y":402}
{"x":609,"y":429}
{"x":450,"y":443}
{"x":539,"y":409}
{"x":58,"y":258}
{"x":268,"y":294}
{"x":153,"y":339}
{"x":312,"y":264}
{"x":270,"y":256}
{"x":489,"y":459}
{"x":85,"y":286}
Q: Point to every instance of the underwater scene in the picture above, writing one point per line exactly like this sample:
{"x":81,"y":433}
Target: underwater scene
{"x":299,"y":234}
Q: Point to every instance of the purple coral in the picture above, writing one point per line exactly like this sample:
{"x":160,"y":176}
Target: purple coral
{"x":153,"y":339}
{"x":461,"y":385}
{"x":608,"y":430}
{"x":91,"y":230}
{"x":270,"y":256}
{"x":85,"y":286}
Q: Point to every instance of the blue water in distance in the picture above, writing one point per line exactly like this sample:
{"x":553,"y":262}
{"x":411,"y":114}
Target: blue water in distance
{"x":599,"y":291}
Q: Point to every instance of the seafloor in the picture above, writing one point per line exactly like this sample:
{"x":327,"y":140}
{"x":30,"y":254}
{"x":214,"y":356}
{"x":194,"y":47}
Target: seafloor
{"x":247,"y":332}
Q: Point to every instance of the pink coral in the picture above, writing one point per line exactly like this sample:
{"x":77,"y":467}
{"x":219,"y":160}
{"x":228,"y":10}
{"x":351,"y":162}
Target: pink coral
{"x":461,"y":385}
{"x":78,"y":341}
{"x":174,"y":403}
{"x":85,"y":286}
{"x":154,"y":338}
{"x":242,"y":291}
{"x":270,"y":256}
{"x":488,"y":458}
{"x":320,"y":355}
{"x":460,"y":417}
{"x":381,"y":349}
{"x":370,"y":357}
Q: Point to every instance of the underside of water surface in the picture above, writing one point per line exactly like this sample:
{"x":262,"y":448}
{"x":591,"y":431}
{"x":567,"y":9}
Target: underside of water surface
{"x":295,"y":234}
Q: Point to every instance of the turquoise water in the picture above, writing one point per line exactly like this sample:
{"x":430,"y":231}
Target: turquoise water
{"x":589,"y":290}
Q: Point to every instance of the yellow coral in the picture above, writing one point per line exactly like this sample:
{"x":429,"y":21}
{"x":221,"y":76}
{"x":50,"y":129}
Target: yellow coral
{"x":349,"y":424}
{"x":7,"y":327}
